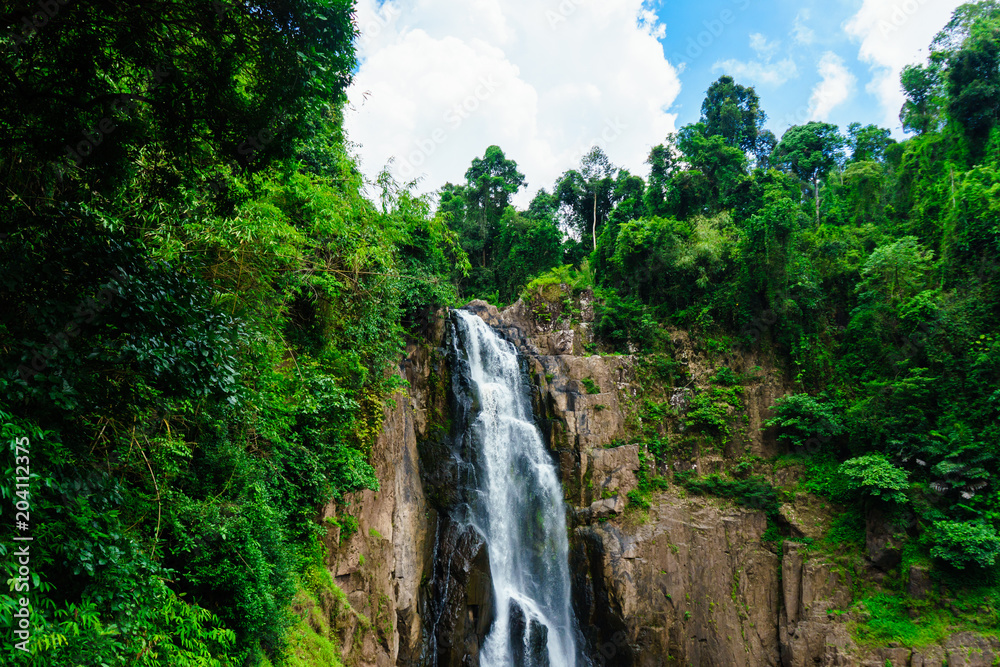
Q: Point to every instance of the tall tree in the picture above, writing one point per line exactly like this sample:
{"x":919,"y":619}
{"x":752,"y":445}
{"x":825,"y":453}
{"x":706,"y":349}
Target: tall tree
{"x":663,"y":162}
{"x":810,"y":151}
{"x":766,"y":142}
{"x":492,"y":181}
{"x":588,"y":194}
{"x":924,"y":90}
{"x":974,"y":81}
{"x":868,"y":142}
{"x":733,"y":112}
{"x":723,"y":165}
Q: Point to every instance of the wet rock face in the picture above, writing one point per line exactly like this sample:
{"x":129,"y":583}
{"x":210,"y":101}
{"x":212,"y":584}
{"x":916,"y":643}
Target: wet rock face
{"x":380,"y":566}
{"x":692,"y":583}
{"x":882,"y":539}
{"x":527,"y":639}
{"x":458,"y":602}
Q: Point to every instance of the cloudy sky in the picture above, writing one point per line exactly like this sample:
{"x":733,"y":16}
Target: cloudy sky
{"x":441,"y":80}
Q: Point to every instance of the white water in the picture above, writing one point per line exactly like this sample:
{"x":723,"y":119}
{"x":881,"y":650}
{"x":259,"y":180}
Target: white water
{"x":518,"y":509}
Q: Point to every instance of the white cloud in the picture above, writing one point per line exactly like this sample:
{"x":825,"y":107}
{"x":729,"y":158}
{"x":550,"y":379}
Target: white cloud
{"x":754,"y":71}
{"x":801,"y":33}
{"x":893,"y":34}
{"x":764,"y":49}
{"x":834,"y":89}
{"x":762,"y":70}
{"x":441,"y":80}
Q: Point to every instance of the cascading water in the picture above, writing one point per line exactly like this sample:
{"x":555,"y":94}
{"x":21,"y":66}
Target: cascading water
{"x":516,"y":504}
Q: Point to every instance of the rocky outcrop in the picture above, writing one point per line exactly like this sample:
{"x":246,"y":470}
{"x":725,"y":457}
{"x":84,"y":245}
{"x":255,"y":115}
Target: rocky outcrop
{"x":379,"y":567}
{"x":690,"y":581}
{"x":687,"y":581}
{"x":383,"y":565}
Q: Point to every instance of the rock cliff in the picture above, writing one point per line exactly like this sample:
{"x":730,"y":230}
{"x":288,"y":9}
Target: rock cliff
{"x":686,"y":580}
{"x":692,"y":580}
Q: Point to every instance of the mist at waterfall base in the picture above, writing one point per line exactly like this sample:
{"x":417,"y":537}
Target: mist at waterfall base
{"x":516,"y":504}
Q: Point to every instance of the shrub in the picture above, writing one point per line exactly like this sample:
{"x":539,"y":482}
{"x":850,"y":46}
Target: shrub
{"x":875,"y":476}
{"x":802,"y":417}
{"x":962,"y":544}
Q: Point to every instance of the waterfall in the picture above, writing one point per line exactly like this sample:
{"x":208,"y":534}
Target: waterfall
{"x":516,"y":504}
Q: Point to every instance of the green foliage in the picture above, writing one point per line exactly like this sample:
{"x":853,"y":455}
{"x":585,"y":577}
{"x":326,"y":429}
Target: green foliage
{"x":810,"y":151}
{"x":725,"y":376}
{"x":204,"y":312}
{"x":802,"y":418}
{"x":590,"y":194}
{"x":733,"y":112}
{"x":847,"y":529}
{"x":888,"y":620}
{"x":590,"y":386}
{"x":874,"y":476}
{"x":755,"y":492}
{"x":576,"y":280}
{"x":636,"y":499}
{"x":348,"y":526}
{"x":964,"y":544}
{"x":709,"y":410}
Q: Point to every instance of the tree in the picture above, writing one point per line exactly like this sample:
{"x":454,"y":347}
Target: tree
{"x":724,"y":165}
{"x":876,"y":477}
{"x":663,"y":163}
{"x":733,"y":112}
{"x":102,"y":82}
{"x":527,"y":247}
{"x":973,"y":83}
{"x":588,"y":194}
{"x":492,"y":181}
{"x":810,"y":151}
{"x":803,"y":419}
{"x":924,"y":90}
{"x":863,"y":185}
{"x":868,"y":142}
{"x":965,"y":543}
{"x":895,"y":271}
{"x":544,"y":206}
{"x":766,"y":143}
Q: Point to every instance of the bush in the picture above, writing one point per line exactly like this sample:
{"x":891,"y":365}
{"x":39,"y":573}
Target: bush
{"x":755,"y":493}
{"x":962,"y":544}
{"x":802,"y":417}
{"x":576,"y":280}
{"x":875,"y":476}
{"x":622,"y":323}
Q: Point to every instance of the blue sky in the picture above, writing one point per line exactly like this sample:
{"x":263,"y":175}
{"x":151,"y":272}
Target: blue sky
{"x":441,"y":80}
{"x":772,"y":46}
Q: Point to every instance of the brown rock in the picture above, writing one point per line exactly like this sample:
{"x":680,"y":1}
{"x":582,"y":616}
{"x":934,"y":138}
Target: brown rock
{"x":693,"y":583}
{"x":933,"y":656}
{"x":884,"y":546}
{"x":919,"y":582}
{"x":612,"y":471}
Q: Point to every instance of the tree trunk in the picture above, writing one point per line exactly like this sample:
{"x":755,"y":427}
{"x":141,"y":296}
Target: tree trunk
{"x":593,"y":229}
{"x":816,"y":191}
